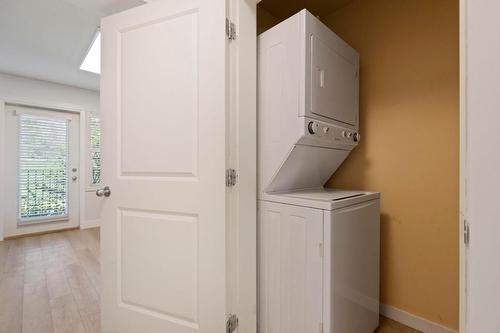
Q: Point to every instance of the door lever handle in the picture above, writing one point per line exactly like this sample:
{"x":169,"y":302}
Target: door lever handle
{"x":103,"y":192}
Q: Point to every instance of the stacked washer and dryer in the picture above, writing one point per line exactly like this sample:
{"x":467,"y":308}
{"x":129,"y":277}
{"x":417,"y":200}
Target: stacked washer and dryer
{"x":318,"y":247}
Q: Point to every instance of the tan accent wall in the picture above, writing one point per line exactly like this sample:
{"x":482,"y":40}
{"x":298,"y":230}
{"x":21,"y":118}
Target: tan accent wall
{"x":409,"y":119}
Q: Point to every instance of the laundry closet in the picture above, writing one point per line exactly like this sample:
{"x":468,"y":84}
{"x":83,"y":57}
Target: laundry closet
{"x":380,"y":133}
{"x":318,"y":248}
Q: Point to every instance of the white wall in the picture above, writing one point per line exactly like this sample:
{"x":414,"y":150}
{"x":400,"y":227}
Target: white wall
{"x":483,"y":163}
{"x":15,"y":88}
{"x":48,"y":93}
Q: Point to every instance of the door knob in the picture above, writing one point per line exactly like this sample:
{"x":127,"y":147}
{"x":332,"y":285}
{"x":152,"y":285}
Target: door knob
{"x":103,"y":192}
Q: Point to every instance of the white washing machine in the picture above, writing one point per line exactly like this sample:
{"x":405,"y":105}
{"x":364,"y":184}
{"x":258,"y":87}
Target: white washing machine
{"x":318,"y":248}
{"x":319,"y":262}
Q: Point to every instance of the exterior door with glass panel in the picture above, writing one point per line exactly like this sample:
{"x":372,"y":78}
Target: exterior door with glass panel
{"x":42,"y":170}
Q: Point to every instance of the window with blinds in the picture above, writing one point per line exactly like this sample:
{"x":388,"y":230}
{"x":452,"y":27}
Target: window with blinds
{"x":43,"y":164}
{"x":95,"y":150}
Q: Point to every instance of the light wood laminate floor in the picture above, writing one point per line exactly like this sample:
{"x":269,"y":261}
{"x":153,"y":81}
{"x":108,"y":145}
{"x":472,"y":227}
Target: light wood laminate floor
{"x":50,"y":284}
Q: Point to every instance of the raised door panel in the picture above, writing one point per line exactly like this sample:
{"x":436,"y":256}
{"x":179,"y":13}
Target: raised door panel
{"x":169,"y":259}
{"x":159,"y":97}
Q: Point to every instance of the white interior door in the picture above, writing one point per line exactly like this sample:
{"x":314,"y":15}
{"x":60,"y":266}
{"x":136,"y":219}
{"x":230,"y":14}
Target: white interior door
{"x":42,"y":176}
{"x":163,"y":100}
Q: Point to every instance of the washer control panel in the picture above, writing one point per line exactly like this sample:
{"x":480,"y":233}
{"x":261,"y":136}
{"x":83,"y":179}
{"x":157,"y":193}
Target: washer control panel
{"x":330,"y":132}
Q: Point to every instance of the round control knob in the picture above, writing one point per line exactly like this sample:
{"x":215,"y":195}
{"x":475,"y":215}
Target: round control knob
{"x":313,"y":127}
{"x":356,"y":137}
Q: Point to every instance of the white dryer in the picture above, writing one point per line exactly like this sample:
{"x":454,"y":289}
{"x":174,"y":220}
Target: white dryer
{"x":307,"y":104}
{"x":318,"y":248}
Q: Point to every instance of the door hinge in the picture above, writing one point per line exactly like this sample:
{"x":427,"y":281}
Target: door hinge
{"x":231,"y":177}
{"x":466,"y":232}
{"x":230,"y":29}
{"x":232,"y":323}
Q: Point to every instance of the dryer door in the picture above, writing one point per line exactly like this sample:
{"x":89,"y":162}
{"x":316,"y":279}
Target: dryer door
{"x":334,"y":83}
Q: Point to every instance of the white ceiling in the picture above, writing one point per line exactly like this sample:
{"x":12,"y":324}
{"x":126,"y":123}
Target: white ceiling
{"x":48,"y":39}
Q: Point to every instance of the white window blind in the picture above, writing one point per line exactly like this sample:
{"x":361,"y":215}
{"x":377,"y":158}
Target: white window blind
{"x":43,"y":164}
{"x":95,"y":150}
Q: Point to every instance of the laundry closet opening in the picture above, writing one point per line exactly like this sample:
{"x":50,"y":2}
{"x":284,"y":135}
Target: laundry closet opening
{"x":409,"y":147}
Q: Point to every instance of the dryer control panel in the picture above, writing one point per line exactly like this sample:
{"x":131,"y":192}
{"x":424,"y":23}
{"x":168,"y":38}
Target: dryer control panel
{"x":323,"y":131}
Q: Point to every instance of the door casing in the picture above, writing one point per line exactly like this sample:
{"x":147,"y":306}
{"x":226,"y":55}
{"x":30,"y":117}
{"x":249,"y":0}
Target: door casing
{"x":463,"y":304}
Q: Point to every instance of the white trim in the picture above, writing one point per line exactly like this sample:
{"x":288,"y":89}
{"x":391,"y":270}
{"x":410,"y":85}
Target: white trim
{"x":41,"y":220}
{"x":413,"y":321}
{"x":463,"y":250}
{"x":66,"y":114}
{"x":90,"y":224}
{"x":43,"y":105}
{"x":242,"y":198}
{"x":82,"y":161}
{"x":2,"y":168}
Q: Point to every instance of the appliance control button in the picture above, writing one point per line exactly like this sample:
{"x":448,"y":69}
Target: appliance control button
{"x":344,"y":134}
{"x":326,"y":130}
{"x":349,"y":134}
{"x":313,"y":127}
{"x":356,"y":137}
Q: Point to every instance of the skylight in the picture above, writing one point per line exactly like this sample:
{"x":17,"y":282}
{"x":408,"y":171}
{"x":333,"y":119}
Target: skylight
{"x":92,"y":61}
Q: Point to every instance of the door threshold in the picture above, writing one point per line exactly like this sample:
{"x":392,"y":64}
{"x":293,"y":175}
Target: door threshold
{"x":39,"y":233}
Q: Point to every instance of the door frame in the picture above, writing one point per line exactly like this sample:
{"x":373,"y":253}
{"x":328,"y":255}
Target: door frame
{"x":61,"y":107}
{"x":463,"y":248}
{"x":241,"y":230}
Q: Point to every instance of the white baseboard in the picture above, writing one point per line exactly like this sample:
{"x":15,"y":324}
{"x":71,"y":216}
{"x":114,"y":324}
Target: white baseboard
{"x":90,"y":224}
{"x":413,"y":321}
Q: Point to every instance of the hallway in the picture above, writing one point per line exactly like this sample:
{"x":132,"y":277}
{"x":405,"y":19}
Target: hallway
{"x":50,"y":283}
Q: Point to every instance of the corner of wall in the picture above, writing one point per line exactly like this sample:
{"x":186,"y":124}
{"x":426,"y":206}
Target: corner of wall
{"x":88,"y":224}
{"x":2,"y":174}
